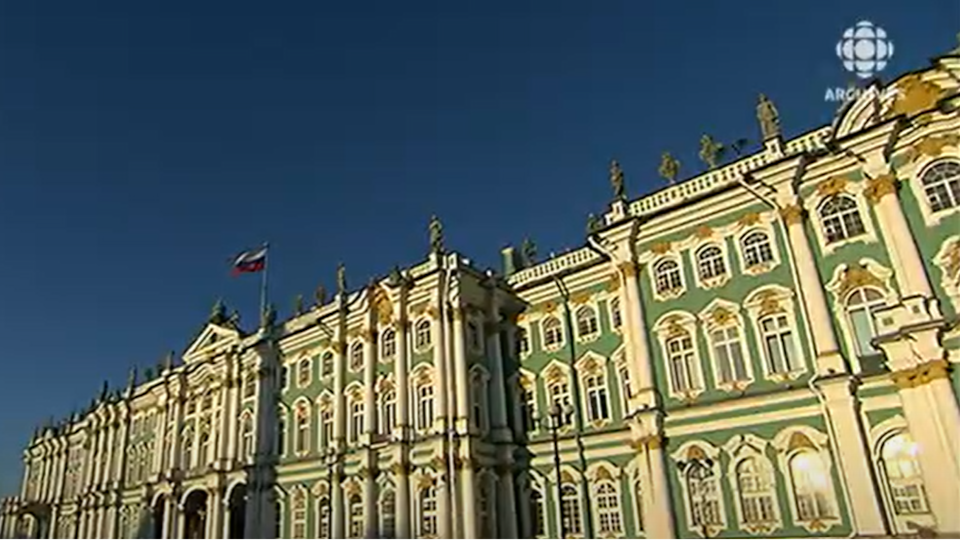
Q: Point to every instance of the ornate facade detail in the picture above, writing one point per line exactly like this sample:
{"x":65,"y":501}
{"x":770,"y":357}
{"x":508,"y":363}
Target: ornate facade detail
{"x":921,"y":374}
{"x":879,"y":187}
{"x":914,"y":95}
{"x":832,"y":186}
{"x":792,"y":214}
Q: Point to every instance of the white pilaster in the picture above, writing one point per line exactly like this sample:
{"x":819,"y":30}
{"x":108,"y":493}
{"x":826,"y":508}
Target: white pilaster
{"x":460,"y":371}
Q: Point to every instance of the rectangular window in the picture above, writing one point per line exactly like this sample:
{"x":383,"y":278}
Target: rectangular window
{"x":681,"y":360}
{"x":356,"y":421}
{"x":863,"y":330}
{"x":560,"y":396}
{"x":778,"y":343}
{"x":729,"y":355}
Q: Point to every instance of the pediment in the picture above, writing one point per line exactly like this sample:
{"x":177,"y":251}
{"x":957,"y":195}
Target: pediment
{"x":868,"y":108}
{"x":213,"y":339}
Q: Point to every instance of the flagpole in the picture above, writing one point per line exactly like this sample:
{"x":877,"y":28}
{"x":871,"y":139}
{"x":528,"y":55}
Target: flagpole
{"x":263,"y":282}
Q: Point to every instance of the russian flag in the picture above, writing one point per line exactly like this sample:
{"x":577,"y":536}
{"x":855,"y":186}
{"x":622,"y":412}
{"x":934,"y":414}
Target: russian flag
{"x":250,"y":261}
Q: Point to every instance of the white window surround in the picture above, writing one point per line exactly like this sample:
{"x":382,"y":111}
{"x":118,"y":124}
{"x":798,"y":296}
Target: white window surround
{"x":767,"y":301}
{"x":878,"y":277}
{"x":789,"y":443}
{"x":615,"y":312}
{"x":582,"y":310}
{"x":324,"y":404}
{"x":850,"y":189}
{"x":662,"y":295}
{"x":298,"y":512}
{"x":423,"y":376}
{"x":283,"y":429}
{"x":721,"y":314}
{"x":569,"y":477}
{"x":673,"y":325}
{"x":388,"y":345}
{"x":701,"y":248}
{"x":355,"y":418}
{"x":355,"y":358}
{"x":619,"y":359}
{"x":530,"y":482}
{"x":599,"y":474}
{"x":879,"y":435}
{"x":708,"y":456}
{"x":473,"y":329}
{"x":423,"y":334}
{"x":558,"y":372}
{"x":479,"y":398}
{"x":554,"y":324}
{"x":525,"y":381}
{"x":914,"y":171}
{"x":741,"y":448}
{"x":324,"y":358}
{"x":302,"y":409}
{"x":763,"y":267}
{"x":386,"y":406}
{"x":591,"y":365}
{"x":304,"y":371}
{"x":523,"y":352}
{"x":947,"y":260}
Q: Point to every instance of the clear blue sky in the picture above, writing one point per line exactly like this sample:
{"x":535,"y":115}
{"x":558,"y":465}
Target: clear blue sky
{"x":144,"y":143}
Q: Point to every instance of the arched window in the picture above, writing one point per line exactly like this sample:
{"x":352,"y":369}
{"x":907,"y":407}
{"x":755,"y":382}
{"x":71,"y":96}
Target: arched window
{"x":528,"y":406}
{"x":356,"y":356}
{"x":326,"y":364}
{"x":861,"y":306}
{"x":537,"y":508}
{"x":356,"y":419}
{"x":811,"y":486}
{"x":757,"y":494}
{"x":597,"y":406}
{"x":424,"y":405}
{"x":478,"y":401}
{"x":303,"y":372}
{"x":681,"y":361}
{"x":587,"y":324}
{"x":840,"y":219}
{"x":704,"y":495}
{"x":428,"y":512}
{"x":608,"y":509}
{"x":710,"y":262}
{"x":756,"y":249}
{"x":281,"y":434}
{"x":473,"y":336}
{"x":326,"y":429}
{"x":559,"y":393}
{"x":203,"y":448}
{"x":552,"y":332}
{"x":303,"y":429}
{"x":570,"y":502}
{"x":778,"y":345}
{"x":356,"y":516}
{"x":667,"y":276}
{"x":616,"y":319}
{"x":298,"y":514}
{"x":388,"y":411}
{"x":422,"y":337}
{"x":638,"y":503}
{"x":728,"y":354}
{"x":389,"y":343}
{"x":901,"y":470}
{"x":284,"y":376}
{"x":388,"y":514}
{"x":941,"y":183}
{"x":246,"y":436}
{"x":323,"y":522}
{"x":523,"y":341}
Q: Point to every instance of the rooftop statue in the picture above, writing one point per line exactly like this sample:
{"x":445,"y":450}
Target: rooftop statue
{"x":617,"y":180}
{"x":768,"y":117}
{"x":669,"y":167}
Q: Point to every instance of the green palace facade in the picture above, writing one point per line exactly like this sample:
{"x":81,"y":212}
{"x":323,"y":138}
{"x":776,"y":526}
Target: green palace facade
{"x":768,"y":348}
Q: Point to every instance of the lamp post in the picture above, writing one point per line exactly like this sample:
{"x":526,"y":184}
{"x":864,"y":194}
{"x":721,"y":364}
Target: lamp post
{"x":553,"y":422}
{"x":330,"y":456}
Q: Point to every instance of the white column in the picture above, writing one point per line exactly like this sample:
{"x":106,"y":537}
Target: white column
{"x":369,"y":383}
{"x":904,"y":256}
{"x":468,"y":489}
{"x":236,"y":397}
{"x":370,"y":495}
{"x":439,"y":366}
{"x":401,"y":470}
{"x":339,"y":431}
{"x":111,"y":445}
{"x":461,"y":373}
{"x":494,"y":354}
{"x":404,"y":514}
{"x":158,"y":441}
{"x":854,"y":459}
{"x":655,"y":493}
{"x":506,"y":499}
{"x":175,"y":444}
{"x":810,"y":292}
{"x":636,"y":346}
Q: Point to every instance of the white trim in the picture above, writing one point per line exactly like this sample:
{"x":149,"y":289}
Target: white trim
{"x":663,"y":296}
{"x":595,"y":308}
{"x":741,"y":448}
{"x":914,"y":171}
{"x":764,"y":267}
{"x":879,"y":435}
{"x":950,"y":284}
{"x":517,"y":386}
{"x":782,"y":442}
{"x":583,"y":371}
{"x":711,"y":325}
{"x":841,"y":315}
{"x":356,"y":345}
{"x":853,"y":190}
{"x":543,"y":334}
{"x":479,"y":374}
{"x":719,"y":280}
{"x":783,"y":296}
{"x":712,"y":454}
{"x":422,"y":347}
{"x":384,"y":357}
{"x":666,"y":331}
{"x":309,"y":380}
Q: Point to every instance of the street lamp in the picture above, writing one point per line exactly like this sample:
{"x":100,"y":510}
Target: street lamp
{"x":330,"y":455}
{"x":554,"y":421}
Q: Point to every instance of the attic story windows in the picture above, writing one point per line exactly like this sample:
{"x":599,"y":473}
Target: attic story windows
{"x":389,"y":343}
{"x":667,"y":276}
{"x":941,"y":183}
{"x":422,"y":335}
{"x":587,"y":324}
{"x":356,"y":356}
{"x":840,"y":219}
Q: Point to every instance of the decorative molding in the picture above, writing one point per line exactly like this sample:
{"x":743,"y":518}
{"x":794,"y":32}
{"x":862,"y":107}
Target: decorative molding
{"x":879,"y":187}
{"x":661,"y":248}
{"x":932,"y":147}
{"x":792,"y":214}
{"x":834,"y":185}
{"x":922,"y":374}
{"x":914,"y":95}
{"x":703,"y":232}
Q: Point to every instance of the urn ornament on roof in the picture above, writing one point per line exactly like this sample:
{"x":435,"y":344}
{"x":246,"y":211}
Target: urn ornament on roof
{"x":436,"y":235}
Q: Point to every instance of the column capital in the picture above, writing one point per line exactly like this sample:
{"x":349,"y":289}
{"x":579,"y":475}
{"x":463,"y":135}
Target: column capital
{"x":879,"y":187}
{"x":792,"y":214}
